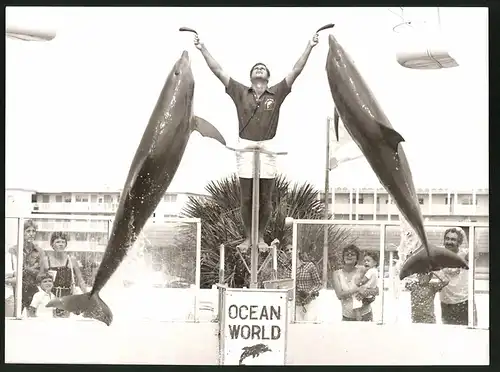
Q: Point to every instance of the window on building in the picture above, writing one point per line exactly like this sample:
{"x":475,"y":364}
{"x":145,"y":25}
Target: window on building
{"x":93,"y":198}
{"x":94,"y":236}
{"x":170,"y":198}
{"x":81,"y":236}
{"x":420,"y":200}
{"x":378,"y":199}
{"x":82,"y":198}
{"x":43,"y":235}
{"x":45,"y":198}
{"x":360,"y":200}
{"x":466,"y":200}
{"x":33,"y":198}
{"x":58,"y":198}
{"x":67,"y":198}
{"x":108,"y":199}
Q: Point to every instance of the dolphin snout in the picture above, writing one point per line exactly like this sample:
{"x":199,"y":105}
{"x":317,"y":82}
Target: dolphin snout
{"x":332,"y":41}
{"x":183,"y":63}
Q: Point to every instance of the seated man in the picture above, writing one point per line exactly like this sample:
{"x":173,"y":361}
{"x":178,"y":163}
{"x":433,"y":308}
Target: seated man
{"x":258,"y":108}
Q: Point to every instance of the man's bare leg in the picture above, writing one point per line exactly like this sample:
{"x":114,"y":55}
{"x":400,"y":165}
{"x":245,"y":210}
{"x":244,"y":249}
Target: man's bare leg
{"x":266,"y":188}
{"x":246,"y":210}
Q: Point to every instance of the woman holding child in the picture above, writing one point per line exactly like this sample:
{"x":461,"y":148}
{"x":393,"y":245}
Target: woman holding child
{"x":350,"y":289}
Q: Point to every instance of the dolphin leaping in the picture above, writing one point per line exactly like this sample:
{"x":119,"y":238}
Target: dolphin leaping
{"x":153,"y":168}
{"x":371,"y":130}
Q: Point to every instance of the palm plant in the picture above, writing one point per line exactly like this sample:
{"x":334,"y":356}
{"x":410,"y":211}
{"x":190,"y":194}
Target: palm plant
{"x":222,"y":224}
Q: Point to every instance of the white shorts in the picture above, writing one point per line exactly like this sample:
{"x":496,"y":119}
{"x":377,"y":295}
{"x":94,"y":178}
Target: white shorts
{"x":244,"y":160}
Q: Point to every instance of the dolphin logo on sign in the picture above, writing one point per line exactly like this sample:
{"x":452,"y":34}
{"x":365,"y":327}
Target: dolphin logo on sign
{"x":253,"y":351}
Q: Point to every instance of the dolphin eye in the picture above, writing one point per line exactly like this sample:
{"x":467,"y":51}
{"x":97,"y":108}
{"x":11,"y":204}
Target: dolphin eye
{"x":177,"y":73}
{"x":337,"y":58}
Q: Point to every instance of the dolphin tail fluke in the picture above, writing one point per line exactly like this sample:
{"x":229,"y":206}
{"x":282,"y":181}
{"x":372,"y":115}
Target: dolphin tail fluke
{"x":85,"y":304}
{"x":208,"y":130}
{"x":439,"y":258}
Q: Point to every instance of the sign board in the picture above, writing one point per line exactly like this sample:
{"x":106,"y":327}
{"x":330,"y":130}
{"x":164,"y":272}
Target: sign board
{"x":254,"y":327}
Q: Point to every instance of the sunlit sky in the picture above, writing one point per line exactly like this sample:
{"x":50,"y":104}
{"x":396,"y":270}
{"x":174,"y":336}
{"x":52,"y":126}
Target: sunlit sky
{"x":76,"y":107}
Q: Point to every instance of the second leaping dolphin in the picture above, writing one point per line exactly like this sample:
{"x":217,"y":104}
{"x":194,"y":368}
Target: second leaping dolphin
{"x":153,"y":168}
{"x":371,"y":130}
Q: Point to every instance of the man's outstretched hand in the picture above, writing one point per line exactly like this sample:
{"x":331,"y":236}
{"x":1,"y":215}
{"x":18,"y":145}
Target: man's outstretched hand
{"x":197,"y":42}
{"x":314,"y":41}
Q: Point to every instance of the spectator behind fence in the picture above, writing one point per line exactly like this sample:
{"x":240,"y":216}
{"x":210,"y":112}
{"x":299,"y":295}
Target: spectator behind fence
{"x":454,"y":297}
{"x":307,"y":286}
{"x":285,"y":262}
{"x":42,"y":297}
{"x":423,"y":289}
{"x":344,"y":283}
{"x":34,"y":263}
{"x":65,"y":270}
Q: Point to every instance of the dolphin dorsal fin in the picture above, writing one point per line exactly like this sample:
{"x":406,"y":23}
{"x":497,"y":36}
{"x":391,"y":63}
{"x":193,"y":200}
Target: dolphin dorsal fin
{"x":391,"y":137}
{"x":336,"y":123}
{"x":208,"y":130}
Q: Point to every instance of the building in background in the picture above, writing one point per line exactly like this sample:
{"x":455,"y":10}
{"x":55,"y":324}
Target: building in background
{"x":351,"y":203}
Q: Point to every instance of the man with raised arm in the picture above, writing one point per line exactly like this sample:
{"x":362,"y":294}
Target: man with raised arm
{"x":258,"y":108}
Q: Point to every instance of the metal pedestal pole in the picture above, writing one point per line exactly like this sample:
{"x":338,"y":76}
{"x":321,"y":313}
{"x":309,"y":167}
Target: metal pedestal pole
{"x":254,"y":239}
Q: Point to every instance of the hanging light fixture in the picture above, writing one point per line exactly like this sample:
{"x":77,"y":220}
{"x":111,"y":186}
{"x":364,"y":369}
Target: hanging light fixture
{"x":29,"y":34}
{"x":421,"y":46}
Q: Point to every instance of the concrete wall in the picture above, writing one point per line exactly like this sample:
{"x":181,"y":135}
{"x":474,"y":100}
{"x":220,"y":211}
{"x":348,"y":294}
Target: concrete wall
{"x":371,"y":344}
{"x":144,"y":342}
{"x":126,"y":342}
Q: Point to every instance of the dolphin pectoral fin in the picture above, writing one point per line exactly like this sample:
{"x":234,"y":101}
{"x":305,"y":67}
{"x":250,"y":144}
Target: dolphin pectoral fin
{"x":336,"y":123}
{"x":89,"y":306}
{"x":208,"y":130}
{"x":391,"y":137}
{"x":440,"y":258}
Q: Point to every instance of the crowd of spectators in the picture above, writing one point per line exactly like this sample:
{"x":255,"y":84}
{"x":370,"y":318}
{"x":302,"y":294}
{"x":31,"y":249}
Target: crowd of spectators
{"x":356,"y":285}
{"x":46,"y":274}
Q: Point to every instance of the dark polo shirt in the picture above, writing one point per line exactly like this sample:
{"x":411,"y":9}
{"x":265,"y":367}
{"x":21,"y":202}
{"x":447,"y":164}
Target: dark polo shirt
{"x":264,"y":123}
